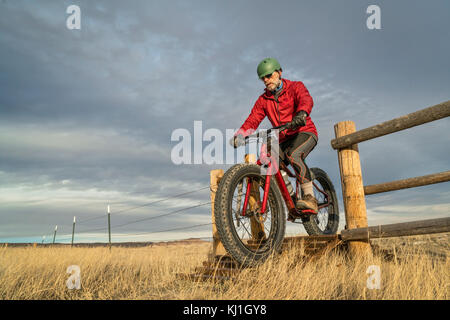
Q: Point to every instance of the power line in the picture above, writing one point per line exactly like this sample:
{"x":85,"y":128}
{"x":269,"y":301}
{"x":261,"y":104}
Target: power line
{"x":159,"y":231}
{"x":167,"y":230}
{"x":94,"y":218}
{"x":90,"y":230}
{"x":161,"y":215}
{"x":171,"y":197}
{"x":145,"y":204}
{"x":137,"y":207}
{"x":145,"y":219}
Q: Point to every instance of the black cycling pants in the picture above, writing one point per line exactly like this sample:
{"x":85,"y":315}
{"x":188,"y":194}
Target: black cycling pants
{"x":296,"y":149}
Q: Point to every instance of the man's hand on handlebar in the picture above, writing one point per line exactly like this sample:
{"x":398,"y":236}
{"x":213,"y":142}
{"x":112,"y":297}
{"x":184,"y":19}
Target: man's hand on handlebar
{"x":299,"y":120}
{"x":237,"y":141}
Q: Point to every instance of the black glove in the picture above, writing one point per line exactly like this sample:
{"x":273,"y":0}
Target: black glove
{"x":299,"y":120}
{"x":237,"y":141}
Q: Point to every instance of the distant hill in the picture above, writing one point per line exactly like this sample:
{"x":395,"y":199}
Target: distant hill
{"x":103,"y":244}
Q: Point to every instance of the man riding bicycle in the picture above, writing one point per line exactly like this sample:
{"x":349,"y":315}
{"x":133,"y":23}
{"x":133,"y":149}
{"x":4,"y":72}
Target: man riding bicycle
{"x":287,"y":103}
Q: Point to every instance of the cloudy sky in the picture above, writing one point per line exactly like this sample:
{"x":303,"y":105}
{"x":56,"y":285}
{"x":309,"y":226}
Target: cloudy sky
{"x":86,"y":116}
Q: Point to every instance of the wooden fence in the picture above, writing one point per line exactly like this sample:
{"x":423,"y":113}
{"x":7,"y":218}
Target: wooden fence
{"x":354,"y":192}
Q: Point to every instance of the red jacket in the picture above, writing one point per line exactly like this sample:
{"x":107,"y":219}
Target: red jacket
{"x":293,"y":98}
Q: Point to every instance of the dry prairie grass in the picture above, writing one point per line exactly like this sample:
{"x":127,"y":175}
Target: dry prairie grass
{"x":151,"y":273}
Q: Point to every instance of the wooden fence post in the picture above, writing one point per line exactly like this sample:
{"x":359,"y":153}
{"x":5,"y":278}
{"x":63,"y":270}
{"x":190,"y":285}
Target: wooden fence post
{"x":218,"y":248}
{"x":352,"y":188}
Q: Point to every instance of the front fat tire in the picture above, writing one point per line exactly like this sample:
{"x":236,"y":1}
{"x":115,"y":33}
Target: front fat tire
{"x":224,"y":216}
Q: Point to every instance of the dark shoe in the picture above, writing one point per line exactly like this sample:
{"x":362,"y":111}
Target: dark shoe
{"x":308,"y":203}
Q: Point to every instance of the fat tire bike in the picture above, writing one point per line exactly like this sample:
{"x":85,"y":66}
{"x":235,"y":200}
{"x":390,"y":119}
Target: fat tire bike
{"x":254,"y":201}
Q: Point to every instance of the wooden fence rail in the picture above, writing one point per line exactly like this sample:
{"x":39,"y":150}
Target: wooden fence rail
{"x":407,"y":183}
{"x":433,"y":113}
{"x":429,"y":226}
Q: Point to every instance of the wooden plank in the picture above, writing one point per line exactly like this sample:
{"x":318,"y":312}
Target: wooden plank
{"x":433,"y":113}
{"x":407,"y":183}
{"x":296,"y":245}
{"x":307,"y":241}
{"x":398,"y":229}
{"x":325,"y":237}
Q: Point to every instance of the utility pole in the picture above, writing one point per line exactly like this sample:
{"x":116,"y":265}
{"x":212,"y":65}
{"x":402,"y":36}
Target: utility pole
{"x":73,"y":229}
{"x":109,"y":227}
{"x":54,"y":235}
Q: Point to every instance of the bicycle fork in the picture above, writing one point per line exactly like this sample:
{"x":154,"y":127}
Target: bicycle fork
{"x":272,"y":169}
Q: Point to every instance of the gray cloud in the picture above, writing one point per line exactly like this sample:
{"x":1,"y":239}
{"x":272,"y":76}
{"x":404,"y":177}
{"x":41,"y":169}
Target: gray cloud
{"x":86,"y":116}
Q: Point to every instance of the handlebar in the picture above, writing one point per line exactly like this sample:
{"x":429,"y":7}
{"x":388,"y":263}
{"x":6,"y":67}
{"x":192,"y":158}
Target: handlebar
{"x":261,"y":134}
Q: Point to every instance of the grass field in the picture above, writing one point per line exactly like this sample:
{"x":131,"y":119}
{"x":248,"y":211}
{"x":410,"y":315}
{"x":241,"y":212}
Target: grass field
{"x":418,"y":268}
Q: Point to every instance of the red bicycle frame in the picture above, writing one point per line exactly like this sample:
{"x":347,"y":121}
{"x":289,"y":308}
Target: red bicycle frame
{"x":272,"y":168}
{"x":271,"y":164}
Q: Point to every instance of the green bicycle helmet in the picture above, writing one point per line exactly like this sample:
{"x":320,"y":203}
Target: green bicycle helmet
{"x":267,"y":66}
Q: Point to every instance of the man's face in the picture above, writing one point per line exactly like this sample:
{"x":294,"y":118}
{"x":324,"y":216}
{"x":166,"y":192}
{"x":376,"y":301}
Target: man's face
{"x":272,"y":81}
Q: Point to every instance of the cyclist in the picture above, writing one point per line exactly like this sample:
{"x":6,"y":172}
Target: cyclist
{"x":288,"y":103}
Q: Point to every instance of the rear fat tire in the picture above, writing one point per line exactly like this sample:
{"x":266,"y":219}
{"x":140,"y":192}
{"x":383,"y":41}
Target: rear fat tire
{"x":310,"y":222}
{"x":224,"y":216}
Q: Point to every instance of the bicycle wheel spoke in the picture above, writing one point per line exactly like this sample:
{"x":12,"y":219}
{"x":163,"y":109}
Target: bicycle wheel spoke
{"x":249,"y":233}
{"x":322,"y":197}
{"x":268,"y":231}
